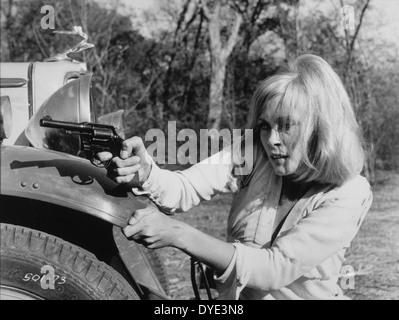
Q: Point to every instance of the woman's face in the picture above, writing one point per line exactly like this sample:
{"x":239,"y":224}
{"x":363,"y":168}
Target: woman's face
{"x":280,"y":142}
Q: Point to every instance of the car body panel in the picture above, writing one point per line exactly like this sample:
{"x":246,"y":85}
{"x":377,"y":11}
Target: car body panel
{"x":60,"y":87}
{"x":65,"y":180}
{"x":43,"y":79}
{"x":19,"y":100}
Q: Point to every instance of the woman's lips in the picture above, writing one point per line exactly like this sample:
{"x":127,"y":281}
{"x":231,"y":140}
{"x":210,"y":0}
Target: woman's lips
{"x":278,"y":156}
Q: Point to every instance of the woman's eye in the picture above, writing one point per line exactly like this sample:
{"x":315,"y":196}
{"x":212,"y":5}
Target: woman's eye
{"x":264,"y":126}
{"x":287,"y":126}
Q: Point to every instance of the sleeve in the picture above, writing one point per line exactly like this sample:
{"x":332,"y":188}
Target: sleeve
{"x":176,"y":191}
{"x":322,"y":233}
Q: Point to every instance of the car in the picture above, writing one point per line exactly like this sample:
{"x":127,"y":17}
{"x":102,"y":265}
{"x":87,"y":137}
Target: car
{"x":61,"y":216}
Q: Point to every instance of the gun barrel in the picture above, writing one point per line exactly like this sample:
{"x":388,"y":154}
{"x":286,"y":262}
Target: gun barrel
{"x":81,"y":127}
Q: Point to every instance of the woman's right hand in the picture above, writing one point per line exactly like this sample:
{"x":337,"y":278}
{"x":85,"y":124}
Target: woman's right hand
{"x":132,"y":167}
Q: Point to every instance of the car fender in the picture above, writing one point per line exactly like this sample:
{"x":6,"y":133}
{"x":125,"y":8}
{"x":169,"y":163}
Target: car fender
{"x":75,"y":183}
{"x":65,"y":180}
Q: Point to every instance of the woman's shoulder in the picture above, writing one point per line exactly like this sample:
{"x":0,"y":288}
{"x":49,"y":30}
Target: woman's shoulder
{"x":355,"y":190}
{"x":358,"y":185}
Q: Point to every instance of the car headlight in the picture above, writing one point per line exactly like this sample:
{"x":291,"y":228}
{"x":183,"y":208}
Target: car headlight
{"x":72,"y":103}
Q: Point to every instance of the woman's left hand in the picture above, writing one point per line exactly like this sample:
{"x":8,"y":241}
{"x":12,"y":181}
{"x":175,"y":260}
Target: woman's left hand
{"x":153,"y":228}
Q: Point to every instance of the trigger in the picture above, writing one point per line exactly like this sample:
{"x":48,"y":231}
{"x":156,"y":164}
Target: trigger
{"x":107,"y":163}
{"x":100,"y":164}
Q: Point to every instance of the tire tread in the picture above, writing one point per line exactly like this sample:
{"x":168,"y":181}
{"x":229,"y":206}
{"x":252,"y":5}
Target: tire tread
{"x":104,"y":282}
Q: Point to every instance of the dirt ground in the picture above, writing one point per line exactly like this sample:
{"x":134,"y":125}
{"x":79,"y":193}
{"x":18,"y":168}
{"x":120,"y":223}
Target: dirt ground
{"x":373,"y":256}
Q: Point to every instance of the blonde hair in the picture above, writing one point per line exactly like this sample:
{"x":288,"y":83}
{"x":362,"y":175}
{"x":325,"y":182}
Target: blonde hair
{"x":329,"y":136}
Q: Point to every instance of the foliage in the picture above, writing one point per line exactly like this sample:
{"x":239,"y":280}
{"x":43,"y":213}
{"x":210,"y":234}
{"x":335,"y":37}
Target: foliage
{"x":168,"y":77}
{"x":372,"y":86}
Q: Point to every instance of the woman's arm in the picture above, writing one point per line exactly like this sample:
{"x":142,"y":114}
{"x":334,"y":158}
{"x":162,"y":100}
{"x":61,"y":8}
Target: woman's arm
{"x":171,"y":191}
{"x":156,"y":230}
{"x":176,"y":191}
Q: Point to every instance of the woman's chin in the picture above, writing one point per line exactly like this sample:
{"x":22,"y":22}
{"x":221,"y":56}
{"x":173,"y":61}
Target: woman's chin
{"x":279,"y":172}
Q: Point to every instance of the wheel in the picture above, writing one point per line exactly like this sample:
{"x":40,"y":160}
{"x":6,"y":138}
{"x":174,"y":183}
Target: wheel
{"x":38,"y":266}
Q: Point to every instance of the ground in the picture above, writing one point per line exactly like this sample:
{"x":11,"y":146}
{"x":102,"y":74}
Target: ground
{"x":373,"y":255}
{"x":375,"y":251}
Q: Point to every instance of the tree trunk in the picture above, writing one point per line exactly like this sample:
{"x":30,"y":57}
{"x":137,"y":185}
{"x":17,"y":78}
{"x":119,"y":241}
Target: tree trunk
{"x":218,"y":76}
{"x":219,"y":56}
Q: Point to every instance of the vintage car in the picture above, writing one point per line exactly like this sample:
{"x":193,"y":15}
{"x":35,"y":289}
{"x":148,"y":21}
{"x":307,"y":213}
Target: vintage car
{"x":61,"y":216}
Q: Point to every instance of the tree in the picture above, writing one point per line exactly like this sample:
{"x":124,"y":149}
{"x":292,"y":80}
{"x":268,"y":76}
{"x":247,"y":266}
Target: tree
{"x":249,"y":62}
{"x":288,"y":28}
{"x":220,"y":51}
{"x":357,"y":82}
{"x":373,"y":97}
{"x":27,"y":41}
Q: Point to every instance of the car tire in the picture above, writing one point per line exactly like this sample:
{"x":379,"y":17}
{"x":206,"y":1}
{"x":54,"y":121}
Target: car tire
{"x":35,"y":265}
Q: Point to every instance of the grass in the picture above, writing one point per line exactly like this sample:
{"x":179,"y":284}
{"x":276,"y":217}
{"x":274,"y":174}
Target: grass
{"x":374,"y":253}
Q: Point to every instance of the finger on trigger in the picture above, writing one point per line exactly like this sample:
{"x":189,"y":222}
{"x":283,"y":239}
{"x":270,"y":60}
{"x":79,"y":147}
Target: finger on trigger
{"x":103,"y":156}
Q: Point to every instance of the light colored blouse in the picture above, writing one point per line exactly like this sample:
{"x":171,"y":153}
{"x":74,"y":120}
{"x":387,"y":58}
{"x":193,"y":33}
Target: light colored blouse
{"x":304,"y":261}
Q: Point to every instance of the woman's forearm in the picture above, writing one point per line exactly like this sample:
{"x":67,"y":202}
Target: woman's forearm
{"x":176,"y":191}
{"x":209,"y":250}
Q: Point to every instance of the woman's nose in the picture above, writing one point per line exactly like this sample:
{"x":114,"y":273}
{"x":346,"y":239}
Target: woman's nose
{"x":274,"y":138}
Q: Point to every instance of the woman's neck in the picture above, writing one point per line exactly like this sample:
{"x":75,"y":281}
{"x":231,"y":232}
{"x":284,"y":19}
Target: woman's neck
{"x":293,"y":190}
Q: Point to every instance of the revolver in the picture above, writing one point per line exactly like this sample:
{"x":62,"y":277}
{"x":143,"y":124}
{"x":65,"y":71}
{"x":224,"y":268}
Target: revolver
{"x":94,"y":138}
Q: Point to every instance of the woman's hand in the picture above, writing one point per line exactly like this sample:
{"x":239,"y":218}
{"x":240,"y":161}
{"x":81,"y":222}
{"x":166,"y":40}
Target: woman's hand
{"x":154,"y":229}
{"x":133,"y":166}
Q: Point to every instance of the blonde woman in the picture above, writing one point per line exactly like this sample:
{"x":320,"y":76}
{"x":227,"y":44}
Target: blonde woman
{"x":293,"y":217}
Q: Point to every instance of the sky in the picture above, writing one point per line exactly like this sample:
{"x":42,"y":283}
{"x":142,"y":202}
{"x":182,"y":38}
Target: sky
{"x":388,"y":13}
{"x":141,"y":3}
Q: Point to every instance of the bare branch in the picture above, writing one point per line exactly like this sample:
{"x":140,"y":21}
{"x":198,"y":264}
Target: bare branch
{"x":352,"y":44}
{"x":192,"y":19}
{"x":145,"y":93}
{"x":39,"y":40}
{"x":214,"y":30}
{"x":257,"y":10}
{"x":237,"y":7}
{"x":182,"y":16}
{"x":205,"y":10}
{"x":233,"y":36}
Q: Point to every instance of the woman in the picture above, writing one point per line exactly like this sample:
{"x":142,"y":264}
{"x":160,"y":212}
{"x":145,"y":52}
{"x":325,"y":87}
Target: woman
{"x":293,"y":217}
